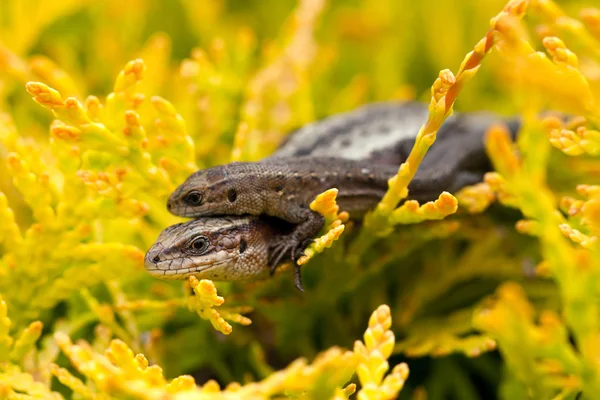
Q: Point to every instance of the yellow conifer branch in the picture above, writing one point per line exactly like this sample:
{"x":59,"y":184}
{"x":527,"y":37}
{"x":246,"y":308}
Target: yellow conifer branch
{"x":476,"y":198}
{"x":26,"y":341}
{"x":94,"y":109}
{"x":71,"y":381}
{"x":579,"y":237}
{"x":35,"y":189}
{"x":411,"y":212}
{"x":325,"y":205}
{"x":345,"y":393}
{"x":205,"y":300}
{"x":52,"y":74}
{"x":574,"y":29}
{"x":373,"y":354}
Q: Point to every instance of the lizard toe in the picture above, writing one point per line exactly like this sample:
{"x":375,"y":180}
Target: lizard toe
{"x":279,"y":251}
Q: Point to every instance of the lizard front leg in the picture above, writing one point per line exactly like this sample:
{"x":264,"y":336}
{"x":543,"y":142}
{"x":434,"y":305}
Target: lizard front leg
{"x":294,"y":243}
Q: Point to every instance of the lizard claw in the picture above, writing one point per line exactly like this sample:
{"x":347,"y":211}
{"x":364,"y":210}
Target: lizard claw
{"x":291,"y":247}
{"x":298,"y":278}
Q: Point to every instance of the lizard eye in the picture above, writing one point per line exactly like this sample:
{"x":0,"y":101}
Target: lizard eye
{"x":193,"y":198}
{"x":231,"y":195}
{"x":200,"y":244}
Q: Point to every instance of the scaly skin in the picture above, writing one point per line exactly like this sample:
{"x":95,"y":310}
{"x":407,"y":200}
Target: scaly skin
{"x":221,"y":249}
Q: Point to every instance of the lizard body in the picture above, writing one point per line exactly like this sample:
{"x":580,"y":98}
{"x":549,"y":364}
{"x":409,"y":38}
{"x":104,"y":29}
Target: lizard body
{"x":369,"y":144}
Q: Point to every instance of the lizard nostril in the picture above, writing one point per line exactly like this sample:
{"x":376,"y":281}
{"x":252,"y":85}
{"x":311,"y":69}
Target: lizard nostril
{"x":156,"y":259}
{"x":169,"y":205}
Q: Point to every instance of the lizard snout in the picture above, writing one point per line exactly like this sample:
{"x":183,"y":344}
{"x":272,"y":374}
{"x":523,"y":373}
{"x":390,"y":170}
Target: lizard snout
{"x":153,"y":257}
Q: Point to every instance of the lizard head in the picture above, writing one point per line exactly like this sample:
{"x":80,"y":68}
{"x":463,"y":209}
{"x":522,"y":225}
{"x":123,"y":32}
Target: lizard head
{"x":221,"y":249}
{"x":211,"y":192}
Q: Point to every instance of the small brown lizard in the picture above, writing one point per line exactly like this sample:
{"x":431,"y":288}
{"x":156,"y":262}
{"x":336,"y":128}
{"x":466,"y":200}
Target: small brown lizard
{"x":369,"y":144}
{"x":221,"y":248}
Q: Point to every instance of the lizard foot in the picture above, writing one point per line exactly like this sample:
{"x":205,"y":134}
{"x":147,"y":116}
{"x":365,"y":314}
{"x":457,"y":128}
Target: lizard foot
{"x":292,"y":247}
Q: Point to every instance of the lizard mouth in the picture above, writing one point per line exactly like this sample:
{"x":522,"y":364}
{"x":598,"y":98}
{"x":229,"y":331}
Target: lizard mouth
{"x":182,"y":267}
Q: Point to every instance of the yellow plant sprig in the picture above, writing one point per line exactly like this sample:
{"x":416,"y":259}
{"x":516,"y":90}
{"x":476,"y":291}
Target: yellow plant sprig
{"x":15,"y":384}
{"x":135,"y":132}
{"x":574,"y":29}
{"x":112,"y":185}
{"x":521,"y":60}
{"x":559,"y":52}
{"x":74,"y":125}
{"x":442,"y":344}
{"x":134,"y":366}
{"x":49,"y":72}
{"x":95,"y":127}
{"x":575,"y":142}
{"x":124,"y":95}
{"x":476,"y":198}
{"x":26,"y":341}
{"x":345,"y":393}
{"x":143,"y":304}
{"x":106,"y":316}
{"x":172,"y":133}
{"x":509,"y":319}
{"x":300,"y":377}
{"x":438,"y":112}
{"x":498,"y":185}
{"x":72,"y":382}
{"x":325,"y":205}
{"x":204,"y":301}
{"x":10,"y":233}
{"x":586,"y":213}
{"x":35,"y":188}
{"x":119,"y":372}
{"x":589,"y":191}
{"x":14,"y":381}
{"x":439,"y":337}
{"x":373,"y":354}
{"x":579,"y":237}
{"x":411,"y":212}
{"x":94,"y":109}
{"x":571,"y":206}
